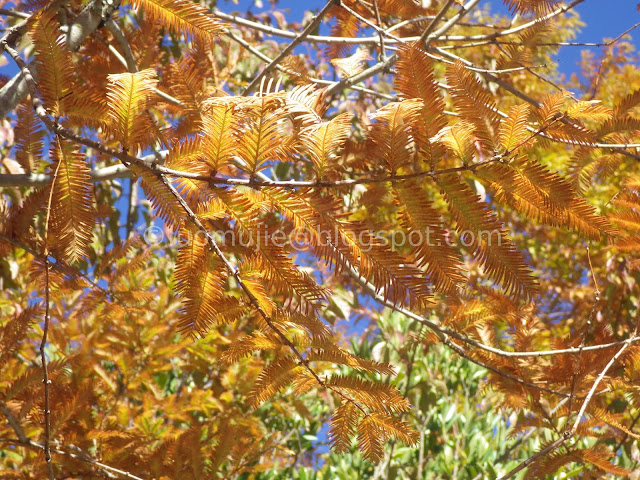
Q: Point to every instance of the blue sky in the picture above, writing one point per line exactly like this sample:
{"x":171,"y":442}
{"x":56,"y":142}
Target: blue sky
{"x":604,"y":19}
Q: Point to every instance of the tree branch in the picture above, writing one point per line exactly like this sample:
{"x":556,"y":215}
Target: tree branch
{"x":14,"y":423}
{"x":289,"y":48}
{"x":571,"y":432}
{"x":382,"y":66}
{"x":287,"y":34}
{"x":13,"y":13}
{"x":83,"y":458}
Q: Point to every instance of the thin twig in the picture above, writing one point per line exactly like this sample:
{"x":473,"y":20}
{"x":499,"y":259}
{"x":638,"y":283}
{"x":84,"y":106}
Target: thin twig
{"x":596,"y":299}
{"x":13,"y":421}
{"x":288,"y":34}
{"x":487,"y":70}
{"x":13,"y":13}
{"x":432,"y":25}
{"x":377,"y":27}
{"x":510,"y":31}
{"x":83,"y":458}
{"x":45,"y":333}
{"x":382,"y":66}
{"x":571,"y":432}
{"x":381,"y":32}
{"x":592,"y":391}
{"x":119,"y":37}
{"x":541,"y":44}
{"x":318,"y":81}
{"x":548,"y":449}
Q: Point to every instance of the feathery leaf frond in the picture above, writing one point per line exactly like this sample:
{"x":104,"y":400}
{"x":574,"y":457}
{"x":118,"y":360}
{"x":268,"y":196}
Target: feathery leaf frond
{"x":482,"y":232}
{"x":422,"y":221}
{"x":72,"y":211}
{"x":273,"y":378}
{"x":259,"y":132}
{"x":538,"y":7}
{"x":370,"y":439}
{"x":393,"y":428}
{"x":474,"y":104}
{"x":201,"y":278}
{"x":544,"y":196}
{"x":164,"y":203}
{"x":323,"y":143}
{"x":513,"y":131}
{"x":589,"y":110}
{"x":247,"y":345}
{"x":310,"y":325}
{"x":380,"y":397}
{"x":128,"y":96}
{"x":217,"y":124}
{"x":415,"y":79}
{"x":270,"y":257}
{"x":459,"y":139}
{"x":342,"y":427}
{"x":599,"y":455}
{"x":348,"y":244}
{"x":28,"y":139}
{"x":55,"y":70}
{"x":336,"y":355}
{"x":182,"y":16}
{"x":391,"y":133}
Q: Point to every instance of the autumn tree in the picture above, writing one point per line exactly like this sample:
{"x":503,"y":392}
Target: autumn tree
{"x":392,"y":227}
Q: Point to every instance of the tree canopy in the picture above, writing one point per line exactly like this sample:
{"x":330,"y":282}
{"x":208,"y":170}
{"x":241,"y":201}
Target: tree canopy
{"x":382,"y":239}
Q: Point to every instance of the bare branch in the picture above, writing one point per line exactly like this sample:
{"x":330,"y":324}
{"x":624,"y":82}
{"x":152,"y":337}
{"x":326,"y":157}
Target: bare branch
{"x":13,"y":13}
{"x":118,"y":35}
{"x":454,"y":20}
{"x":381,"y":32}
{"x":45,"y":332}
{"x":571,"y":432}
{"x":13,"y":421}
{"x":287,"y":34}
{"x":510,"y":31}
{"x":592,"y":391}
{"x":317,"y":81}
{"x":377,"y":27}
{"x":83,"y":458}
{"x":289,"y":48}
{"x":382,"y":66}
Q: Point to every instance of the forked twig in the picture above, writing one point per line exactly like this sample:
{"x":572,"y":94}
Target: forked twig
{"x":289,"y":48}
{"x":83,"y":458}
{"x":45,"y":333}
{"x":567,"y":434}
{"x":380,"y":31}
{"x":382,"y":66}
{"x":596,"y":299}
